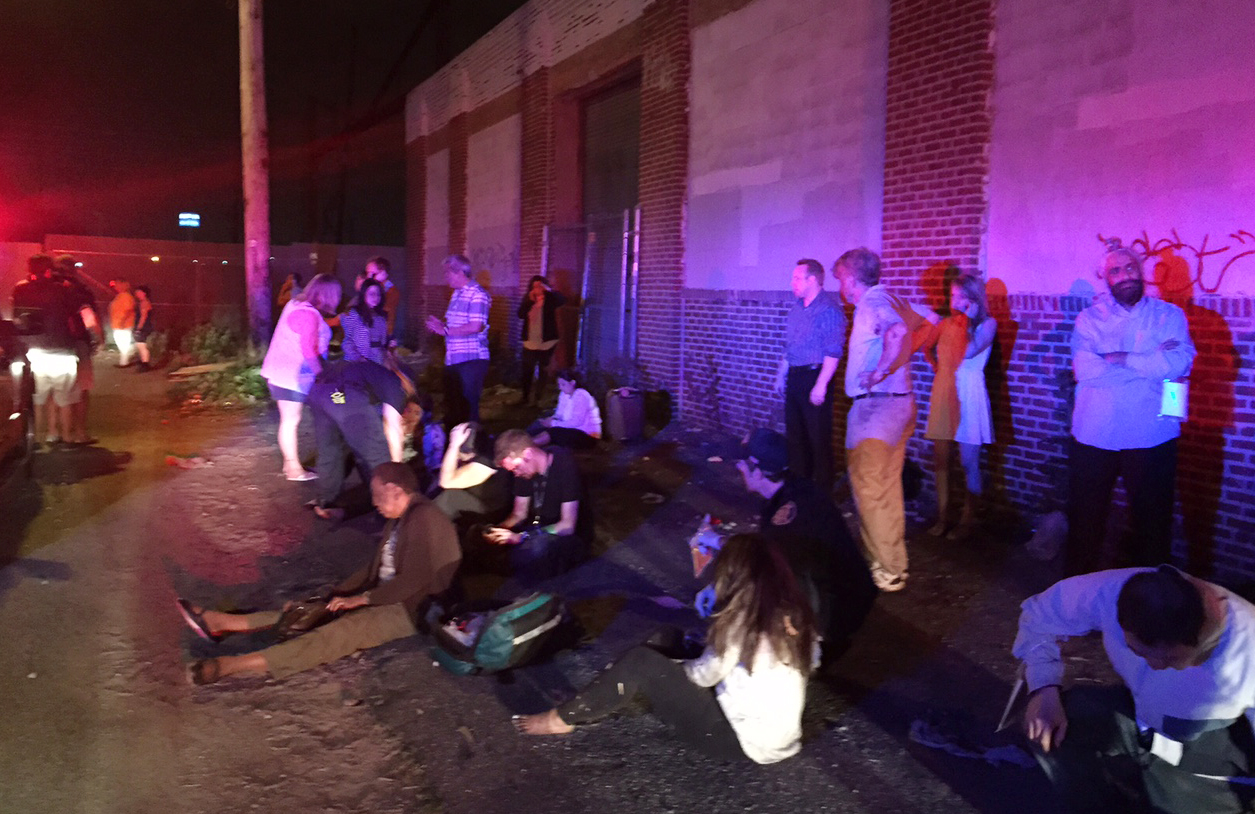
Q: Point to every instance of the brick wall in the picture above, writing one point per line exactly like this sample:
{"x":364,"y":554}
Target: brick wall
{"x":937,"y":131}
{"x":537,"y":170}
{"x":415,"y":235}
{"x":457,"y":183}
{"x":665,"y":70}
{"x":733,"y":340}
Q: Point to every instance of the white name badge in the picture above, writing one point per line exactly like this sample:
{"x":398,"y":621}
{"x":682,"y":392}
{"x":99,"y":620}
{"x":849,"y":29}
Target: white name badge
{"x":1175,"y":402}
{"x":1166,"y":749}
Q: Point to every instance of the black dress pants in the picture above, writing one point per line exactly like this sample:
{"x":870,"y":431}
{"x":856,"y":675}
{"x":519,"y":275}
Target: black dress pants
{"x":808,"y":428}
{"x":1149,"y":476}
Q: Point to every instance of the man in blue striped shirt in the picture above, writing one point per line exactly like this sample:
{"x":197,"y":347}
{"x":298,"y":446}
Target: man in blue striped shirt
{"x":465,"y":329}
{"x":813,"y":336}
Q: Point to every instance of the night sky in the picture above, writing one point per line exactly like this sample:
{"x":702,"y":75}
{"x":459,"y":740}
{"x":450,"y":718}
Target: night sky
{"x":114,"y":117}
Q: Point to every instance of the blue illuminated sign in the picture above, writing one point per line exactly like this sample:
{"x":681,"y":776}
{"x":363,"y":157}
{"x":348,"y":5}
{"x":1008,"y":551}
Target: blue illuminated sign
{"x":190,"y":219}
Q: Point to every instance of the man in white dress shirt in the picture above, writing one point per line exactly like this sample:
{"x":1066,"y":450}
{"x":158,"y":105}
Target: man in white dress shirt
{"x":1126,"y":345}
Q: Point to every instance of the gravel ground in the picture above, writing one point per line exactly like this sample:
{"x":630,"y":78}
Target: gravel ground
{"x":99,"y":718}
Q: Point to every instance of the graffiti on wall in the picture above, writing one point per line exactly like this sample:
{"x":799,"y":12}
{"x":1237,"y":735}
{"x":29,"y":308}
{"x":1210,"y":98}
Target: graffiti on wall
{"x":499,"y":261}
{"x":1182,"y":266}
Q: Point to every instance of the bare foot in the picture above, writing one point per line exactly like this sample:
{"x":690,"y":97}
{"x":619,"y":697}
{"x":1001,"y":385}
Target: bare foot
{"x":546,"y":723}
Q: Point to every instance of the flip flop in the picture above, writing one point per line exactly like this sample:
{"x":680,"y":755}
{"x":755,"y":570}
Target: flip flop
{"x":195,"y":621}
{"x":203,"y":672}
{"x":305,"y":475}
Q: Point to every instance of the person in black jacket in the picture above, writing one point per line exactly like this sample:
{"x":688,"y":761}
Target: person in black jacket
{"x":538,"y":310}
{"x":809,"y":528}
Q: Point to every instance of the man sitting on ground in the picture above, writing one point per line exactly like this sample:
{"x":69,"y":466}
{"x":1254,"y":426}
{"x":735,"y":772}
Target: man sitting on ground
{"x":540,"y":538}
{"x":1177,"y":737}
{"x":417,"y":559}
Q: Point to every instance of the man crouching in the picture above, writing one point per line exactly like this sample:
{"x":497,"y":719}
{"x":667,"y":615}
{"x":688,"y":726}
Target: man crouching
{"x":418,"y":557}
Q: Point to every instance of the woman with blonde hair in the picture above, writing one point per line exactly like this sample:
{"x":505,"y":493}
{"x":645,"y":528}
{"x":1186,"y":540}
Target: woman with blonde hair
{"x":958,"y":349}
{"x":760,"y":649}
{"x":294,"y":359}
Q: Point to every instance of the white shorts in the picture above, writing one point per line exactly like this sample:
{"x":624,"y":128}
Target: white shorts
{"x":56,"y":375}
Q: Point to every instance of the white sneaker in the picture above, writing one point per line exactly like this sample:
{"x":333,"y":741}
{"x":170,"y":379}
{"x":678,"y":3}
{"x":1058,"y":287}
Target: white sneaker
{"x":886,"y":581}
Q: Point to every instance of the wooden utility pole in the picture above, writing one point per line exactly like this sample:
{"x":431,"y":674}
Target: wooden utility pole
{"x":255,"y":141}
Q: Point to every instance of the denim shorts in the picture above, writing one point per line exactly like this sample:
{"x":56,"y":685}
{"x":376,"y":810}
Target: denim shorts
{"x":283,"y":394}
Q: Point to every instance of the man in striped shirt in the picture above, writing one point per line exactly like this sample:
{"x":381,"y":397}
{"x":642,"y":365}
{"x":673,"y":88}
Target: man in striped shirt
{"x":465,"y":329}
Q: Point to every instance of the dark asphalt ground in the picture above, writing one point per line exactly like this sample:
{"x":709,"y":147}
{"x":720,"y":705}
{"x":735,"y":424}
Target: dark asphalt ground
{"x":98,"y":718}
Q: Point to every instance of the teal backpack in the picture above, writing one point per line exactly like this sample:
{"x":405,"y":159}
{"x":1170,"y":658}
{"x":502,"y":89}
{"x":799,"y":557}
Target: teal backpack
{"x":474,"y":638}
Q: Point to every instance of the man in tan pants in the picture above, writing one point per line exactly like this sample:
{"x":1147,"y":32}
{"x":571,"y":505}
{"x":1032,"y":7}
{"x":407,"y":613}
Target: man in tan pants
{"x":882,"y":417}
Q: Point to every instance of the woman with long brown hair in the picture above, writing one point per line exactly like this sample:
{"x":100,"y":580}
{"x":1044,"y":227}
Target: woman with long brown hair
{"x":760,"y":649}
{"x":958,"y":411}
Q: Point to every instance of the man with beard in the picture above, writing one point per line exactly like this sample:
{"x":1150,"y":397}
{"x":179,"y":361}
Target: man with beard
{"x":1126,"y":346}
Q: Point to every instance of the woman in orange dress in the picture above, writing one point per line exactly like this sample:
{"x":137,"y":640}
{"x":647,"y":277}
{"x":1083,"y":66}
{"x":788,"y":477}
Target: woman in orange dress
{"x":958,"y":412}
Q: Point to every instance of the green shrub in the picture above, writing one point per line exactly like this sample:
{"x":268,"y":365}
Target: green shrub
{"x":158,"y":345}
{"x":209,"y":342}
{"x":239,"y":384}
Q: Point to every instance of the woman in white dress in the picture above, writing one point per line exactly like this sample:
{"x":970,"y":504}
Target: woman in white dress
{"x":958,"y":349}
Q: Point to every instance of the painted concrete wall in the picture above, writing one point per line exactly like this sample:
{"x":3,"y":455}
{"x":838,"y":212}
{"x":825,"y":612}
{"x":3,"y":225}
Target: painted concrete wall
{"x":787,"y":148}
{"x":1121,"y":118}
{"x":541,"y":33}
{"x":492,"y":200}
{"x":437,"y":237}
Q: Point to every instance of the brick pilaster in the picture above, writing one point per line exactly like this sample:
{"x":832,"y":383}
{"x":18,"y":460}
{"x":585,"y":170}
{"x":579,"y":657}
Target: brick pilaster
{"x":666,"y":67}
{"x":415,"y":236}
{"x":536,"y":192}
{"x":458,"y":141}
{"x":937,"y":132}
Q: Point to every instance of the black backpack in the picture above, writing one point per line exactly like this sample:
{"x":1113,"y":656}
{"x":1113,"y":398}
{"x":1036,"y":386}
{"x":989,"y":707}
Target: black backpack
{"x":488,"y":637}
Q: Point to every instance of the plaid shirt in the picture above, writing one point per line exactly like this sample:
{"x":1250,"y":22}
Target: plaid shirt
{"x":470,"y":303}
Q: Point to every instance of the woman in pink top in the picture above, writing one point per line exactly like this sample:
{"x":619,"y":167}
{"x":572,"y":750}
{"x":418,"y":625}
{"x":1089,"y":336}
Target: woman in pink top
{"x":294,"y":359}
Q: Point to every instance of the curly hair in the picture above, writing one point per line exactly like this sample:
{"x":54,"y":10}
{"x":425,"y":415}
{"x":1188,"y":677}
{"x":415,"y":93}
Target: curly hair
{"x":863,"y":263}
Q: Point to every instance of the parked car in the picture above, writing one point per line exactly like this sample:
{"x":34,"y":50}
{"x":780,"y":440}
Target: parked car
{"x":17,"y":406}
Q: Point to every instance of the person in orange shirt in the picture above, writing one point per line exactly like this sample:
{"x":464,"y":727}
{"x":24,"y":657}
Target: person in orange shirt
{"x":122,"y":321}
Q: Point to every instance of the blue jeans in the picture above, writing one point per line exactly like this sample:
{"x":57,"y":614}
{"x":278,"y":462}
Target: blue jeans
{"x":463,"y":384}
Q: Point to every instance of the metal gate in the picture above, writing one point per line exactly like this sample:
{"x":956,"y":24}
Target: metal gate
{"x":606,"y":250}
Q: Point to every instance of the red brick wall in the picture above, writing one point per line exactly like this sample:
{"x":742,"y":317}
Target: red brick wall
{"x":733,"y":342}
{"x":415,"y":235}
{"x":937,"y":125}
{"x":666,"y":64}
{"x":458,"y":139}
{"x":537,"y":165}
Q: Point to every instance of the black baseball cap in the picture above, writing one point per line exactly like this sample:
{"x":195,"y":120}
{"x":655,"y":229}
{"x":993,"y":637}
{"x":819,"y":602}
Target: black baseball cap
{"x":766,"y":449}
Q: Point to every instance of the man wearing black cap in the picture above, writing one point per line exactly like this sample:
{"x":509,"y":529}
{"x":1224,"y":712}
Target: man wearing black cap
{"x":812,"y":533}
{"x":357,"y":407}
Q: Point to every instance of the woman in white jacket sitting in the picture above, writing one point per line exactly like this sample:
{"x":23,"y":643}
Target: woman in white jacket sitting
{"x":755,"y":710}
{"x":576,"y":423}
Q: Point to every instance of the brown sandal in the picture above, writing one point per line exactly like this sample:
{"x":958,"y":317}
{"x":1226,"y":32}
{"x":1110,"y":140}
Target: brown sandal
{"x":203,"y":672}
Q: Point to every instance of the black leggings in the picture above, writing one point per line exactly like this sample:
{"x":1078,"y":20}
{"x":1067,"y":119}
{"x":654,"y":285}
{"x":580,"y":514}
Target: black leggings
{"x":691,"y":711}
{"x":535,"y":363}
